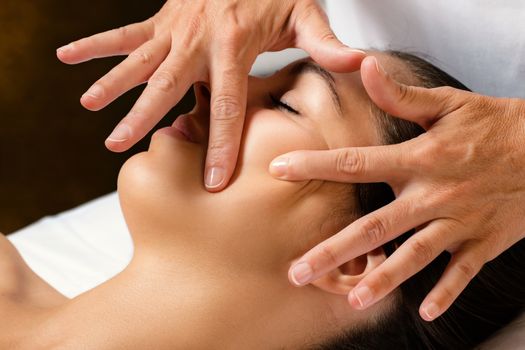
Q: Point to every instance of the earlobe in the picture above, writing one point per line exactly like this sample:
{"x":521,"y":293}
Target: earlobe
{"x":344,"y":278}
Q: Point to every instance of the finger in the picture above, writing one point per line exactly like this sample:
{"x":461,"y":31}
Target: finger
{"x":410,"y":258}
{"x":229,"y":83}
{"x":114,"y":42}
{"x":165,"y":88}
{"x":461,"y":269}
{"x":356,"y":165}
{"x":420,"y":105}
{"x":362,"y":236}
{"x":315,"y":37}
{"x":136,"y":69}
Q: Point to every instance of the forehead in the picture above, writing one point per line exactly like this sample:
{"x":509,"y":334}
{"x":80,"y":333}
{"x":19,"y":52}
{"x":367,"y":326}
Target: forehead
{"x":358,"y":124}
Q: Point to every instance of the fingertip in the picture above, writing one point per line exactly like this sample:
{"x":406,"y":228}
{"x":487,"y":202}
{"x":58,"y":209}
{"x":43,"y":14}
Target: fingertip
{"x":300,"y":274}
{"x":66,"y":54}
{"x":279,"y":166}
{"x":370,"y":64}
{"x":371,"y":70}
{"x":429,"y":311}
{"x":116,"y":146}
{"x":120,"y":139}
{"x":339,"y":58}
{"x":376,"y":83}
{"x":215,"y":179}
{"x":353,"y":301}
{"x":90,"y":103}
{"x":63,"y":50}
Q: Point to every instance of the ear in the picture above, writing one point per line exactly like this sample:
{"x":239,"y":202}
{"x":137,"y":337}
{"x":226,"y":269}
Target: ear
{"x":344,"y":278}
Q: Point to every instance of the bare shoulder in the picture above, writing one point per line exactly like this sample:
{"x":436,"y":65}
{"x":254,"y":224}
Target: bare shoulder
{"x":19,"y":282}
{"x":24,"y":299}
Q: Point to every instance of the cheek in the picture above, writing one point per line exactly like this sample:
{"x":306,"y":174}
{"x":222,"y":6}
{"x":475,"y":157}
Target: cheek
{"x":269,"y":134}
{"x":253,"y":193}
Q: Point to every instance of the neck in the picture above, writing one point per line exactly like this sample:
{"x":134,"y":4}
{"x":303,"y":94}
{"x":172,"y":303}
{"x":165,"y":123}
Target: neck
{"x":169,"y":301}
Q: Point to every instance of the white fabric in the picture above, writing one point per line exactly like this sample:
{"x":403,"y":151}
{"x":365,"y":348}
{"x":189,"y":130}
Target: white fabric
{"x":481,"y":43}
{"x":78,"y":249}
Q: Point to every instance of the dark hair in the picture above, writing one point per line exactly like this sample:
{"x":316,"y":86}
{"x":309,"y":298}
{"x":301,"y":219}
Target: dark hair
{"x":493,"y":298}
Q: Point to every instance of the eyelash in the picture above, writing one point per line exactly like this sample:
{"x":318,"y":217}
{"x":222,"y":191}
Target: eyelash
{"x":282,"y":105}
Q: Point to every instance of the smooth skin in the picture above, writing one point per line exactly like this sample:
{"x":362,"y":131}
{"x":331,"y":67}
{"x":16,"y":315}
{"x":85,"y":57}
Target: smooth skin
{"x":464,"y":180}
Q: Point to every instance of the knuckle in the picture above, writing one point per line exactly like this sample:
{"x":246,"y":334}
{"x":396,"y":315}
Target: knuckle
{"x":349,"y":162}
{"x":123,"y":32}
{"x":327,"y":255}
{"x":163,"y":81}
{"x":383,"y":281}
{"x":421,"y":251}
{"x":327,"y":36}
{"x":226,"y":109}
{"x":218,"y":150}
{"x":406,"y":94}
{"x":309,"y":11}
{"x":466,"y":269}
{"x":445,"y":91}
{"x":148,"y":28}
{"x":142,"y":56}
{"x":448,"y":294}
{"x":373,"y":232}
{"x":429,"y":152}
{"x":234,"y":36}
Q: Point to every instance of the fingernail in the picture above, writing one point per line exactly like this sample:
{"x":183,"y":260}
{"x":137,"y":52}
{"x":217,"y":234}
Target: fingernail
{"x":96,"y":91}
{"x":364,"y":296}
{"x":349,"y":49}
{"x":379,"y":68}
{"x":431,"y":311}
{"x":301,"y":274}
{"x":279,"y":166}
{"x":65,"y":48}
{"x":214,"y":177}
{"x":121,"y":133}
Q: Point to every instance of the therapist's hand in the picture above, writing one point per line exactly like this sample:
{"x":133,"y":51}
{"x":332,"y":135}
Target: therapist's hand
{"x":214,"y":41}
{"x":462,"y":183}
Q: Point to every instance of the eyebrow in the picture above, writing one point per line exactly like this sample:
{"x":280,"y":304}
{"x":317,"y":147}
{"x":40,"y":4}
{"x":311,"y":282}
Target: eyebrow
{"x":304,"y":67}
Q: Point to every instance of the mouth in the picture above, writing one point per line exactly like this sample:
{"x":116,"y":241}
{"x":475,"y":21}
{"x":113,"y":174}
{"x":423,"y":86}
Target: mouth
{"x":185,"y":126}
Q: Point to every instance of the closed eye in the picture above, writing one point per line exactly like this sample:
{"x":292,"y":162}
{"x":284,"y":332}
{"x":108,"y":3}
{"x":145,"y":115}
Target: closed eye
{"x":277,"y":103}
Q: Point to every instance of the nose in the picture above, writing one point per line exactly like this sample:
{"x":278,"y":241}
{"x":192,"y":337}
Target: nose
{"x":202,"y":95}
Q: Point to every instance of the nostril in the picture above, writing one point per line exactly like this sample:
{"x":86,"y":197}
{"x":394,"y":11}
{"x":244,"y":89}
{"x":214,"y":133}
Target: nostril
{"x":205,"y":92}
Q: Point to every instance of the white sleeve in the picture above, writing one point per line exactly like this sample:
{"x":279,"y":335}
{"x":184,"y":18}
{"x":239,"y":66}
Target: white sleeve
{"x":481,"y":43}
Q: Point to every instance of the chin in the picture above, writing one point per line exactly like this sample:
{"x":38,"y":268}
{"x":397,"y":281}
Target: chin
{"x":157,"y":187}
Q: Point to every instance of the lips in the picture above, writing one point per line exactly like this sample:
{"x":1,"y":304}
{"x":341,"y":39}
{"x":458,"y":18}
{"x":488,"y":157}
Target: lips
{"x":189,"y":125}
{"x":194,"y":126}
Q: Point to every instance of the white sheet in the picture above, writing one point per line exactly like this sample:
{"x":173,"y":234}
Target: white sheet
{"x":78,"y":249}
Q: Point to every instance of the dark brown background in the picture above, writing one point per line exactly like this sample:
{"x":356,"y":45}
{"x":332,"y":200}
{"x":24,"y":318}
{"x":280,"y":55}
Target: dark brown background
{"x":52,"y":154}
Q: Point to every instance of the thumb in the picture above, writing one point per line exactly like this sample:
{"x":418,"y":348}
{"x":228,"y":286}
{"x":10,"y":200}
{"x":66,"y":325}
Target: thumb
{"x":314,"y":35}
{"x":417,"y":104}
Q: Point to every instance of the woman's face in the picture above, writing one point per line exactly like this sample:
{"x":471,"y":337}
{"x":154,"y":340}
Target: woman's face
{"x":258,"y":225}
{"x":300,"y":107}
